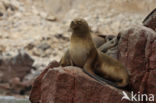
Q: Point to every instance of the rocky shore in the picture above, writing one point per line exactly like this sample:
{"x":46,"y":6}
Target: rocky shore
{"x":35,"y":32}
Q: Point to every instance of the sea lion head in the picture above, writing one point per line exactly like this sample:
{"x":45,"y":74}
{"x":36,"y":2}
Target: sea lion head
{"x":79,"y":25}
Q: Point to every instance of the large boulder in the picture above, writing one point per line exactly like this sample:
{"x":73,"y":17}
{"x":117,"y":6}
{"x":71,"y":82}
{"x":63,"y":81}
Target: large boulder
{"x":35,"y":95}
{"x":72,"y":85}
{"x":13,"y":70}
{"x":137,"y":51}
{"x":18,"y":65}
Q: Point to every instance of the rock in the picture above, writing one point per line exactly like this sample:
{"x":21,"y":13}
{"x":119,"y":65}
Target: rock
{"x":151,"y":83}
{"x":40,"y":49}
{"x":113,"y":52}
{"x":13,"y":70}
{"x":19,"y":87}
{"x":30,"y":46}
{"x":4,"y":88}
{"x":56,"y":8}
{"x":150,"y":20}
{"x":71,"y":85}
{"x":10,"y":5}
{"x":110,"y":47}
{"x":99,"y":40}
{"x":61,"y":36}
{"x":51,"y":18}
{"x":2,"y":49}
{"x":16,"y":66}
{"x":43,"y":46}
{"x":35,"y":95}
{"x":137,"y":51}
{"x":2,"y":10}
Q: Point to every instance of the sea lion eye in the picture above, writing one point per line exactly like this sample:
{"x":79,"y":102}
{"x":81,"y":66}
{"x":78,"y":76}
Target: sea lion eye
{"x":79,"y":22}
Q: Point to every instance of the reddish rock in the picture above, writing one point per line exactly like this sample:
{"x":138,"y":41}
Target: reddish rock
{"x":150,"y":20}
{"x":152,"y":53}
{"x":151,"y":83}
{"x":15,"y":66}
{"x":19,"y":87}
{"x":137,"y":51}
{"x":72,"y":85}
{"x":35,"y":94}
{"x":13,"y":70}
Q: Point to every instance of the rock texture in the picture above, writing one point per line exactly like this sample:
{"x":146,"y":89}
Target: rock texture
{"x":137,"y":51}
{"x":150,"y":20}
{"x":71,"y":85}
{"x":13,"y":70}
{"x":15,"y":66}
{"x":35,"y":95}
